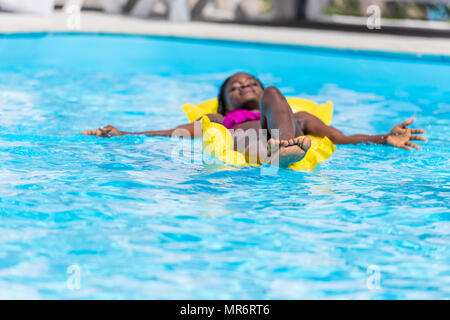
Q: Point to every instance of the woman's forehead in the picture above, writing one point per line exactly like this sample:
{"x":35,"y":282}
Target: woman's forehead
{"x":241,"y":76}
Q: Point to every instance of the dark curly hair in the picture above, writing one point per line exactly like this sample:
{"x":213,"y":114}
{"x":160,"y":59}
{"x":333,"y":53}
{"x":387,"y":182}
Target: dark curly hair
{"x":221,"y":98}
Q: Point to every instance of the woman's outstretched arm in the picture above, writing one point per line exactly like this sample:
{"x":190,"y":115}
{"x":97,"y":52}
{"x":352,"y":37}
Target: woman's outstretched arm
{"x":110,"y":131}
{"x":192,"y":130}
{"x":400,"y":136}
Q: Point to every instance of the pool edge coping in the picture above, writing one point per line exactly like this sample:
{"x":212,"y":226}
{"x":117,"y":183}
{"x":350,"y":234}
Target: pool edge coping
{"x":437,"y":48}
{"x":442,"y":58}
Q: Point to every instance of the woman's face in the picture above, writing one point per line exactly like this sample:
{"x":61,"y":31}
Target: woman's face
{"x":243,"y":92}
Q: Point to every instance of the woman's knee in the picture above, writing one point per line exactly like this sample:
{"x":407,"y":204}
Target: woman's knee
{"x":273,"y":99}
{"x":271,"y":93}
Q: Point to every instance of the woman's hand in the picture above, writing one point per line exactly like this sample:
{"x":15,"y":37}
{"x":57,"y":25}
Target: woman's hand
{"x":105,"y":132}
{"x":401,"y":137}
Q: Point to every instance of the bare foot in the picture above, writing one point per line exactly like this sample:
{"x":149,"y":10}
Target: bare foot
{"x":285,"y":152}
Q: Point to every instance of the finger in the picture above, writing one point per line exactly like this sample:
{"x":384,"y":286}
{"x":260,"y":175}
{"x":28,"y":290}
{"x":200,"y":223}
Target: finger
{"x":405,"y":147}
{"x":411,"y":144}
{"x":90,"y":132}
{"x":416,"y":131}
{"x":407,"y":122}
{"x":291,"y":142}
{"x":418,"y":138}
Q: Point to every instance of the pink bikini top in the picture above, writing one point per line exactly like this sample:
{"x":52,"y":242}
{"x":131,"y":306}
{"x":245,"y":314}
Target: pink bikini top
{"x":238,"y":116}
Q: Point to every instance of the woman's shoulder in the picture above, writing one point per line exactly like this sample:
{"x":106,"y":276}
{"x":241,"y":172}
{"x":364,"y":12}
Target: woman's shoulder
{"x":215,"y":117}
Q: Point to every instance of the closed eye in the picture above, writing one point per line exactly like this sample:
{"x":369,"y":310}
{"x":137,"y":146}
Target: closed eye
{"x":236,"y":85}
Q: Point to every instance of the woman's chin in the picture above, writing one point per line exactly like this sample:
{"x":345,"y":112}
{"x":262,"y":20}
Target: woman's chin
{"x":249,"y":104}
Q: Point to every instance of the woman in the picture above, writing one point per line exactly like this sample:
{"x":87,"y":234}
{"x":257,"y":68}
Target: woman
{"x":245,"y":104}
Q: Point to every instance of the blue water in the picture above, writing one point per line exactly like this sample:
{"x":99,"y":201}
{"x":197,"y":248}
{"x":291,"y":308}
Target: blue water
{"x":372,"y":222}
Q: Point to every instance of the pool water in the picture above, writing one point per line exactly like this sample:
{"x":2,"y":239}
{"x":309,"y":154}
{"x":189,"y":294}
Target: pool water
{"x":86,"y":217}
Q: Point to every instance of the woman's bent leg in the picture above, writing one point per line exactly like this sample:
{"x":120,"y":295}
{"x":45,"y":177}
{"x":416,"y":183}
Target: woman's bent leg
{"x":276,"y":114}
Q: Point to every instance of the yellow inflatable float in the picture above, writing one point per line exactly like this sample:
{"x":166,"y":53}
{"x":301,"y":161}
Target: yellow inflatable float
{"x":218,"y":141}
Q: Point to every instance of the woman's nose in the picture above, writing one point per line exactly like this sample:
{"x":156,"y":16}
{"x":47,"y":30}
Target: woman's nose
{"x":245,"y":85}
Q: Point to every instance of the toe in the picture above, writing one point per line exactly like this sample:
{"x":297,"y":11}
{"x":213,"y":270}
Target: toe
{"x":273,"y":145}
{"x":306,"y":143}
